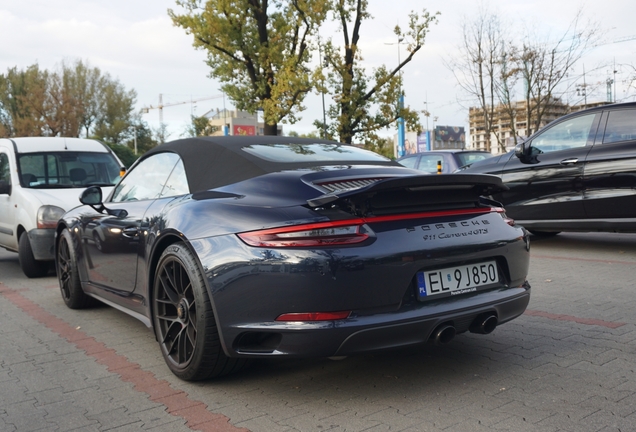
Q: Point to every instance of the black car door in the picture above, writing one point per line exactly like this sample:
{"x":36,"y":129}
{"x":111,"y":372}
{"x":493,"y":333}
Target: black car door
{"x":113,"y":242}
{"x":610,"y":168}
{"x":548,"y":182}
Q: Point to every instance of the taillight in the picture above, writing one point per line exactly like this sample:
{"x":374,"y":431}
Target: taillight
{"x":506,"y":219}
{"x":317,"y":234}
{"x":314,"y":316}
{"x":344,"y":232}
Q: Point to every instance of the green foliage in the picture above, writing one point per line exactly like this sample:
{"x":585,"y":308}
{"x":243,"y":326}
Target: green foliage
{"x":312,"y":134}
{"x":73,"y":100}
{"x":380,"y":145}
{"x":124,"y":153}
{"x":367,"y":103}
{"x":259,"y":50}
{"x":23,"y":101}
{"x":200,"y":126}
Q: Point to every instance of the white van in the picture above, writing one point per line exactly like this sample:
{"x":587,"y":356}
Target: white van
{"x":40,"y":179}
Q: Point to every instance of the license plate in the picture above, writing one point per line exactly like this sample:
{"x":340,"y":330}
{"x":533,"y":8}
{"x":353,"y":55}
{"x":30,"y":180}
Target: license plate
{"x":457,"y":280}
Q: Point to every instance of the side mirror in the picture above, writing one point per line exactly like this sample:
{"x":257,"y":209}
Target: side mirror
{"x":521,"y":149}
{"x":5,"y":188}
{"x":92,"y":196}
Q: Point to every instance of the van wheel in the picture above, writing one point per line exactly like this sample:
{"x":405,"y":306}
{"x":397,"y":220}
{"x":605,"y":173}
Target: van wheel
{"x":31,"y":267}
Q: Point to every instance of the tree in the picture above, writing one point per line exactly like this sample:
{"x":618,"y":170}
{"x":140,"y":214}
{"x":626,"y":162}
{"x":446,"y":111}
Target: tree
{"x":544,"y":66}
{"x":69,"y":101}
{"x":115,"y":119}
{"x":490,"y":66}
{"x":200,"y":126}
{"x":478,"y":68}
{"x":367,"y":103}
{"x":258,"y":49}
{"x":22,"y":101}
{"x":383,"y":146}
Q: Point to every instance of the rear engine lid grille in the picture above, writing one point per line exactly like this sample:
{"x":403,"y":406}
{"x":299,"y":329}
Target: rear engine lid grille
{"x":347,"y":185}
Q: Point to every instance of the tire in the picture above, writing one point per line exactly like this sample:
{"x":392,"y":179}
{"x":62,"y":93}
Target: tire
{"x":68,"y":275}
{"x":31,"y":267}
{"x":184,"y":321}
{"x":97,"y":241}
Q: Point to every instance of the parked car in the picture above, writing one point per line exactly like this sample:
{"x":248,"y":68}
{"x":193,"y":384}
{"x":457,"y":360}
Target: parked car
{"x":256,"y":247}
{"x":449,"y":161}
{"x":576,"y":174}
{"x":41,"y":178}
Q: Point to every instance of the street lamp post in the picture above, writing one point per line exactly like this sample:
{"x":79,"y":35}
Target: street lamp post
{"x":400,"y":120}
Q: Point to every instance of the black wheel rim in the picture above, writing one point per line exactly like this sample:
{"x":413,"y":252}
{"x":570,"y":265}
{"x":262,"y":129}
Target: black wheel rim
{"x":64,"y":269}
{"x":175,"y":312}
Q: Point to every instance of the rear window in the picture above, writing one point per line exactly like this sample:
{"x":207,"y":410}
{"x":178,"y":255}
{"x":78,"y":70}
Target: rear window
{"x":67,"y":169}
{"x":319,"y":152}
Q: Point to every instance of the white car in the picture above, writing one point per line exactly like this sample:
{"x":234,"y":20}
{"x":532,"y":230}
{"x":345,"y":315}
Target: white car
{"x":40,"y":179}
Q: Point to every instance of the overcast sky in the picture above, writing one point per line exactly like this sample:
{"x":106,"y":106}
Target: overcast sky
{"x":135,"y":42}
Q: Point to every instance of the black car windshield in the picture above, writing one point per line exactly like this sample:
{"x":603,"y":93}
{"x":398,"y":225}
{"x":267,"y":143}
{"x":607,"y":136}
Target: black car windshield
{"x":67,"y":169}
{"x":319,"y":152}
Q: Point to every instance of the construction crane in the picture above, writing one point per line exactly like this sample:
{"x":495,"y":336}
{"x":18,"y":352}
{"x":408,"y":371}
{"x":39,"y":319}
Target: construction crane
{"x":161,"y":105}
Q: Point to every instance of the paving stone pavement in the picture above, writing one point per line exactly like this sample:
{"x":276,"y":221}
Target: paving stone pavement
{"x":568,"y":364}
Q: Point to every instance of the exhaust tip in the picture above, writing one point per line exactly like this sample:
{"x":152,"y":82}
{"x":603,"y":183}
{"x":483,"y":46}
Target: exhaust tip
{"x":444,"y":334}
{"x":484,"y":324}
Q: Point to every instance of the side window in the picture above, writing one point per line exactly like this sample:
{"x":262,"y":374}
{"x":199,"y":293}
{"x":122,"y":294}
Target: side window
{"x":177,"y":183}
{"x":5,"y":172}
{"x":621,"y":126}
{"x":146,"y":180}
{"x":409,"y":162}
{"x":568,"y":134}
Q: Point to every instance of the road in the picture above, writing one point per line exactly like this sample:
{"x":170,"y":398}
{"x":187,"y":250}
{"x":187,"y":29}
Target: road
{"x":568,"y":364}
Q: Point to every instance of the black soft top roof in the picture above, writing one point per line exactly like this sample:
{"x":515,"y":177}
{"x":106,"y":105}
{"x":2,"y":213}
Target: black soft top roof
{"x":216,"y":161}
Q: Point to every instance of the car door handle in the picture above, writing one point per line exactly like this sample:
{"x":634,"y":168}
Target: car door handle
{"x":131,"y":232}
{"x":570,"y":161}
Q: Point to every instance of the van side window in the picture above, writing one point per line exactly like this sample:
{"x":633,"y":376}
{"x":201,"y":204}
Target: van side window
{"x":5,"y":171}
{"x":620,"y":126}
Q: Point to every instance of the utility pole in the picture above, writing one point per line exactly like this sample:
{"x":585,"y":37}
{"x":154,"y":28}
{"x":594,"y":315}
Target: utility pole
{"x":322,"y":93}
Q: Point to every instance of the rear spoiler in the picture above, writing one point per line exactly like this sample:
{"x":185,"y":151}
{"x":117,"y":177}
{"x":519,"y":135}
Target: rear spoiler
{"x":474,"y":185}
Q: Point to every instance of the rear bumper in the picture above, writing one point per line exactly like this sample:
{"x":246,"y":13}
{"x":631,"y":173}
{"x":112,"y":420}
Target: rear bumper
{"x":378,"y":332}
{"x":376,"y":283}
{"x":42,"y":243}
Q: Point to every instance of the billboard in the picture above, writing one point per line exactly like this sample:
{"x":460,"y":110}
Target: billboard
{"x":454,"y":134}
{"x":243,"y":130}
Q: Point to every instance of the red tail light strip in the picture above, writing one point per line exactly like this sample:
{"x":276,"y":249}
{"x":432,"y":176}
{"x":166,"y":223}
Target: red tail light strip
{"x":343,"y":232}
{"x":314,"y":316}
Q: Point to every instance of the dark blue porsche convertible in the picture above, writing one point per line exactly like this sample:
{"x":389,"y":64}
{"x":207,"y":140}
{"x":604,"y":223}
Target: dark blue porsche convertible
{"x":233,"y":248}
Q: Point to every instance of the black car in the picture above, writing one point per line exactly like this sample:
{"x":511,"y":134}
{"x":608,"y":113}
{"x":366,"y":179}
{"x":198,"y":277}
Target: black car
{"x":576,"y":174}
{"x":234,"y":248}
{"x":443,"y":161}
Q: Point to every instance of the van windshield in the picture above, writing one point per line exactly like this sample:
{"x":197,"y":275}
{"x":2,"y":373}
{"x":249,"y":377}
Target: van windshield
{"x":67,"y":169}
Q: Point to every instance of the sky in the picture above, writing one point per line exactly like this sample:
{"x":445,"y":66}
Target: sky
{"x":135,"y":42}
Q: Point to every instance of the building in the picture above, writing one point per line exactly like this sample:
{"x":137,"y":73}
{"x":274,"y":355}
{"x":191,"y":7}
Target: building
{"x":501,"y":125}
{"x":236,"y":122}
